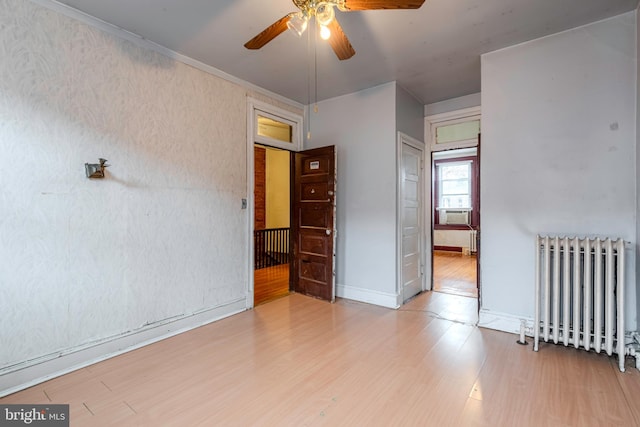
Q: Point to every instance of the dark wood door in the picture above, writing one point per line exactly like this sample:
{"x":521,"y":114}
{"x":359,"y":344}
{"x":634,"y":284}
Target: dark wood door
{"x":313,"y":222}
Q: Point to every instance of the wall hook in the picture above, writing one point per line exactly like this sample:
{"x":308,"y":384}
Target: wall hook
{"x":96,"y":170}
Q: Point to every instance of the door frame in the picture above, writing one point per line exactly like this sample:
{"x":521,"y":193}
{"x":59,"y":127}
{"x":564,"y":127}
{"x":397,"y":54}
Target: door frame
{"x":253,"y":106}
{"x":431,"y":124}
{"x":425,"y":203}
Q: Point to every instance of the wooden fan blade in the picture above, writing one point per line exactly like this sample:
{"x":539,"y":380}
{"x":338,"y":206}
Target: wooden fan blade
{"x":339,"y":41}
{"x":381,"y":4}
{"x":270,"y":33}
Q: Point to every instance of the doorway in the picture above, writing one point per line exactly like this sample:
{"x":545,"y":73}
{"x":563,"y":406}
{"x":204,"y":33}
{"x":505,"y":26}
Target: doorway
{"x":294,"y":223}
{"x":455,"y":183}
{"x":307,"y":247}
{"x":272,"y":201}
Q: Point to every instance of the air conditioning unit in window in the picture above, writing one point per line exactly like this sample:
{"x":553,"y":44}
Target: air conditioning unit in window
{"x":455,"y":216}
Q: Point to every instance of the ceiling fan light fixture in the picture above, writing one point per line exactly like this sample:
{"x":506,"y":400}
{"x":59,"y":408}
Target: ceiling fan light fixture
{"x":325,"y":32}
{"x":325,"y":14}
{"x":298,"y":23}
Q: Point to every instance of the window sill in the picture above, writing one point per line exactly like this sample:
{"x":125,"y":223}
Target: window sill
{"x":454,"y":227}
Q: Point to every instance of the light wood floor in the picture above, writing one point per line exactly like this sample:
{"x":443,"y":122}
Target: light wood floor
{"x":270,"y":283}
{"x":298,"y":361}
{"x":455,"y":273}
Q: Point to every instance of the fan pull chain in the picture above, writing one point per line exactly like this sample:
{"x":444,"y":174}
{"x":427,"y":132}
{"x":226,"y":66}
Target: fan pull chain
{"x":315,"y":68}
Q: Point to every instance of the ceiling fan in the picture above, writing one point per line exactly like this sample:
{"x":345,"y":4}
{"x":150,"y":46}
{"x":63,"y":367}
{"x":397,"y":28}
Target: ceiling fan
{"x":325,"y":17}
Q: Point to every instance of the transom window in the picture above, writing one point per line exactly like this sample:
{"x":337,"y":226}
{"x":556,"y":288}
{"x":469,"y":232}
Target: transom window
{"x":274,"y":127}
{"x":457,"y":131}
{"x":280,"y":130}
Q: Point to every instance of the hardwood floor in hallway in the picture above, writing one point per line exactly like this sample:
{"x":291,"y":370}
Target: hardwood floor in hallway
{"x":270,"y":283}
{"x":299,"y":361}
{"x":455,"y":273}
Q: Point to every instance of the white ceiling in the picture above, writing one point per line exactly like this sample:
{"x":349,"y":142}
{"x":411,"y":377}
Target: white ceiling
{"x":433,"y":52}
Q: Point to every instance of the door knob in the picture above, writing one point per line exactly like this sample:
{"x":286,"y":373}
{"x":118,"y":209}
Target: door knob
{"x":328,"y":232}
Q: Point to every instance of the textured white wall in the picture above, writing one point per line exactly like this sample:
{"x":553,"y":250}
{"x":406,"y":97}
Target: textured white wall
{"x":163,"y":236}
{"x":558,"y":152}
{"x":362,"y":127}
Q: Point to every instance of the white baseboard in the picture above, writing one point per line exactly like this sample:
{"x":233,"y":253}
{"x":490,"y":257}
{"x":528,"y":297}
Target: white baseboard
{"x":27,"y":374}
{"x":369,"y":296}
{"x":502,"y":321}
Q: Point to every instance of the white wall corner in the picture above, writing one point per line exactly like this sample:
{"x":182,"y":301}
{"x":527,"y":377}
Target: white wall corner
{"x":30,"y":373}
{"x":369,"y":296}
{"x":503,"y":322}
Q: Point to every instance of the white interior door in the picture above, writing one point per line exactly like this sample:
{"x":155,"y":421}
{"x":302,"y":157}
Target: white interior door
{"x":411,"y":216}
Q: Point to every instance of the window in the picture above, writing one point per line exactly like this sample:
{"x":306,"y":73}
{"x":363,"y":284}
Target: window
{"x":456,"y":193}
{"x":454,"y":184}
{"x":274,"y":127}
{"x":453,"y":130}
{"x":457,"y":132}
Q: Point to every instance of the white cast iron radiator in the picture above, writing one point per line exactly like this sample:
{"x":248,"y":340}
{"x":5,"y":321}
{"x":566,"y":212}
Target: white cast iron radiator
{"x":473,"y":241}
{"x":580,"y":294}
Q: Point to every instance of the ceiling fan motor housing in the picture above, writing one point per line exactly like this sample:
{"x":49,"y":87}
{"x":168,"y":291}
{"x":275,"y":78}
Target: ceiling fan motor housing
{"x":315,"y":7}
